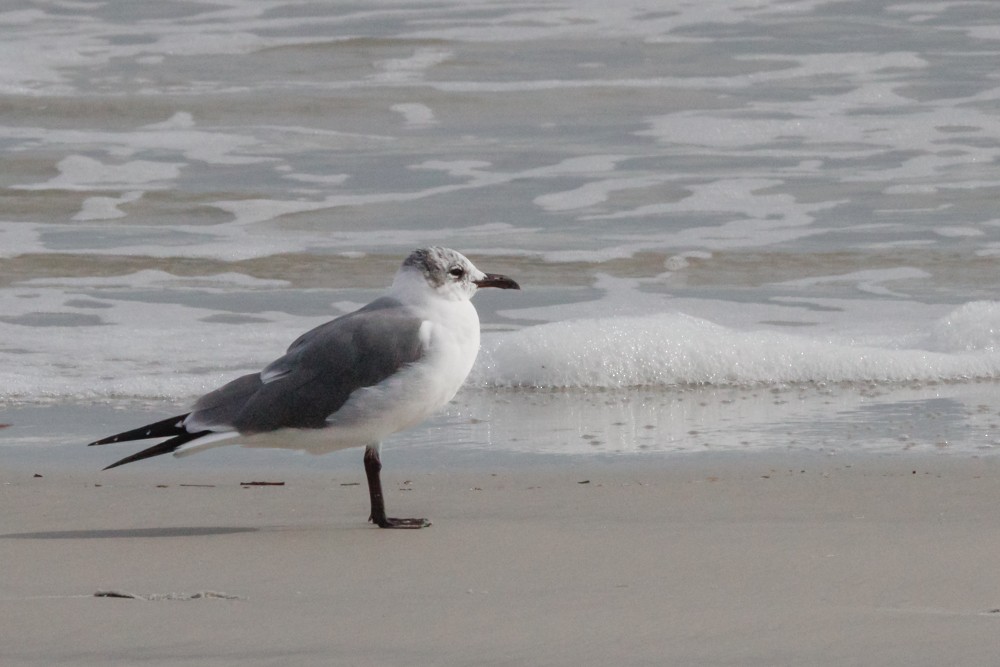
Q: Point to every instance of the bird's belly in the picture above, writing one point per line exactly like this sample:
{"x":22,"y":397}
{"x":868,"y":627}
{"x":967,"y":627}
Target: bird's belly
{"x":399,"y":402}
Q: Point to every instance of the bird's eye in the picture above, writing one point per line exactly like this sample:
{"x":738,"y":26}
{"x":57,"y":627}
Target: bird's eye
{"x":457,"y":272}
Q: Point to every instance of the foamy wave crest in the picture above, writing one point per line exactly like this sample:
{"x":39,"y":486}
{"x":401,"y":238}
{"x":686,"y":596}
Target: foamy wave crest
{"x":972,"y":327}
{"x":675,"y":349}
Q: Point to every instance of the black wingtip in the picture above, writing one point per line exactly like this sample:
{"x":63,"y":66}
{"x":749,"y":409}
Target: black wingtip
{"x":170,"y":427}
{"x":165,"y":447}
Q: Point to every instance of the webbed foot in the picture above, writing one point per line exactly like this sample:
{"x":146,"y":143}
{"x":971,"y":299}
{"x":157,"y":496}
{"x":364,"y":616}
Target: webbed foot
{"x":388,"y":522}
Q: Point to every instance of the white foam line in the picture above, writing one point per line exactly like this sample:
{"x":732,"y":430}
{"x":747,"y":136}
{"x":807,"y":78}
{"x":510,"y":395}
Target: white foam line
{"x":235,"y":240}
{"x":249,"y":211}
{"x":593,"y":193}
{"x":198,"y":145}
{"x":156,"y":278}
{"x":79,"y":172}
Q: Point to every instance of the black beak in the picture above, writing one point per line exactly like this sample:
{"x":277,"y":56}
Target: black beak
{"x":496,"y":280}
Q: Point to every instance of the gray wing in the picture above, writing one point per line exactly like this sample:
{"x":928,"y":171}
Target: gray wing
{"x":317,"y":374}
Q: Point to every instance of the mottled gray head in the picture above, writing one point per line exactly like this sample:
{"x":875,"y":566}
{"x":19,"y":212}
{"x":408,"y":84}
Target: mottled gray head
{"x":451,"y":274}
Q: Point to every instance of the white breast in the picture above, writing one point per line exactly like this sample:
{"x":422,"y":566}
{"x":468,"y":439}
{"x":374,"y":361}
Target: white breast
{"x":450,"y":338}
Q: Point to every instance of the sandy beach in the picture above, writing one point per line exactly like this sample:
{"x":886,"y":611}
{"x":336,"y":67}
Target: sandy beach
{"x":766,"y":559}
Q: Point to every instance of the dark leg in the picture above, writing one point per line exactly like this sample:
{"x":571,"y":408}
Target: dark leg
{"x":373,"y":466}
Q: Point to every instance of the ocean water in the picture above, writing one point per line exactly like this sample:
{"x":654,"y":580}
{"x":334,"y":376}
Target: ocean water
{"x":738,"y":225}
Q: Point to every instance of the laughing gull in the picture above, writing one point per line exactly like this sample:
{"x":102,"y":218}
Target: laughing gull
{"x":349,"y":382}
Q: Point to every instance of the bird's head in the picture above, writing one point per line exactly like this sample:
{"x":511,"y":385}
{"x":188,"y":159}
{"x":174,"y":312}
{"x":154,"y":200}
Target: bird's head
{"x":449,"y":273}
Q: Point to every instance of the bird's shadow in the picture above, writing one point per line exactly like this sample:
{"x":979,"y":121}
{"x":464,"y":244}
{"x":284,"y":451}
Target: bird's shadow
{"x":129,"y":533}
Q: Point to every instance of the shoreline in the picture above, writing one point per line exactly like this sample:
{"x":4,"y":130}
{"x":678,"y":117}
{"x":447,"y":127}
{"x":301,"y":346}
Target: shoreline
{"x":522,"y":428}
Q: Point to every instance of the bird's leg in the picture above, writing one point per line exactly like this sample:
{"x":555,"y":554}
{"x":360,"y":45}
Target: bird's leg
{"x":373,"y":468}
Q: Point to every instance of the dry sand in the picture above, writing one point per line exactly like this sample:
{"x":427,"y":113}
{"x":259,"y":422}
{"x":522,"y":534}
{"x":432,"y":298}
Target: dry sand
{"x":766,"y":559}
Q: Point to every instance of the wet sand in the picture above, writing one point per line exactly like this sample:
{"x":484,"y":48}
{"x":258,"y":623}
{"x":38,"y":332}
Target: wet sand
{"x":763,"y":559}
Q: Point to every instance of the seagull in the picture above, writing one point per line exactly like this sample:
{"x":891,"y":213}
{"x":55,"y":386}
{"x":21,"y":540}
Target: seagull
{"x":350,"y":382}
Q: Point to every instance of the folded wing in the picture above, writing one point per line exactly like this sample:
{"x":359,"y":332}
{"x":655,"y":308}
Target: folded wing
{"x":301,"y":389}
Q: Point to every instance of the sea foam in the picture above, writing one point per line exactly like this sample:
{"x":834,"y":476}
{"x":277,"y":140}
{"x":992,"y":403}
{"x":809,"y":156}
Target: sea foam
{"x":674,"y":349}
